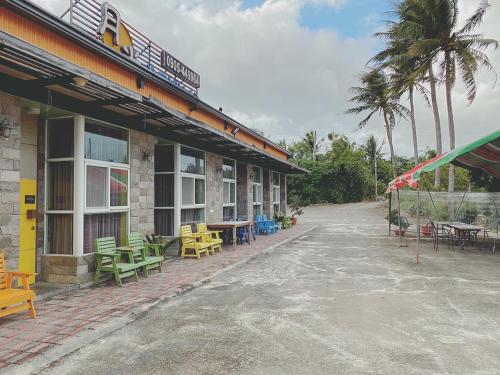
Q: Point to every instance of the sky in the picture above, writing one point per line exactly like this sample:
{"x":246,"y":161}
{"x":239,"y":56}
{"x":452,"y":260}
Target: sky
{"x":285,"y":67}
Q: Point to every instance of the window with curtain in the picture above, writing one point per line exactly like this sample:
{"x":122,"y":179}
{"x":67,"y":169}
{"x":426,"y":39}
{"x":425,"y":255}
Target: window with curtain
{"x":229,"y":189}
{"x":192,"y":186}
{"x":59,"y":189}
{"x":257,"y":191}
{"x":164,"y":189}
{"x":104,"y":225}
{"x":106,"y":183}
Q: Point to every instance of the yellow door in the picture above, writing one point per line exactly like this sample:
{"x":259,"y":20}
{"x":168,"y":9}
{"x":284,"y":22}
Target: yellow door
{"x":27,"y":227}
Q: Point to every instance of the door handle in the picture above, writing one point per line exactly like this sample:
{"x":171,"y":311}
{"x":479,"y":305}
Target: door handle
{"x":32,"y":227}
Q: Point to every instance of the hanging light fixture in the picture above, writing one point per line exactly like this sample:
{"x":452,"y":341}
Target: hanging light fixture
{"x":80,"y":81}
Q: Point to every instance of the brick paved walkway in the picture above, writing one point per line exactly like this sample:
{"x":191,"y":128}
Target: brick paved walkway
{"x":75,"y":313}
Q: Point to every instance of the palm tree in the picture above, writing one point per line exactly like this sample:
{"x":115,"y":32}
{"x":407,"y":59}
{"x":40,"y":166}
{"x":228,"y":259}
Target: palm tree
{"x":462,"y":52}
{"x":373,"y":152}
{"x":312,"y":141}
{"x":415,"y":20}
{"x":401,"y":67}
{"x":376,"y":97}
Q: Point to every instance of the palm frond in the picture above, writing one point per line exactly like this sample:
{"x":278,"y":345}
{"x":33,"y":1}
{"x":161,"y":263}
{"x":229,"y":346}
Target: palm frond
{"x":476,"y":19}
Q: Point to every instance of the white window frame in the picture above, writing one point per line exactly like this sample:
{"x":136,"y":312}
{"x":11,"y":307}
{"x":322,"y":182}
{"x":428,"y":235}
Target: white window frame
{"x":173,"y":173}
{"x":258,"y":185}
{"x":194,"y":177}
{"x":167,"y":173}
{"x":48,"y":212}
{"x":278,"y":188}
{"x":108,"y":165}
{"x":230,"y":182}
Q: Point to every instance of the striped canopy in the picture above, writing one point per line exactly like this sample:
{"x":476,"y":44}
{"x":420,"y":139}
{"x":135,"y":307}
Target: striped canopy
{"x":483,"y":154}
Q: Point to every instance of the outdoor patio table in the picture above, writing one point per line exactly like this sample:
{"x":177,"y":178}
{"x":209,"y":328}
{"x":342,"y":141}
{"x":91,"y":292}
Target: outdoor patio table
{"x":232,"y":225}
{"x":466,"y":232}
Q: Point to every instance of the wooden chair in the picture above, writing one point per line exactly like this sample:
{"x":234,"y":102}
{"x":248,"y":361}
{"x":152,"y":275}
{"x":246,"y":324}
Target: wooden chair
{"x":142,"y":253}
{"x":109,"y":260}
{"x":286,"y":223}
{"x":212,"y":236}
{"x":13,"y":300}
{"x":189,"y":242}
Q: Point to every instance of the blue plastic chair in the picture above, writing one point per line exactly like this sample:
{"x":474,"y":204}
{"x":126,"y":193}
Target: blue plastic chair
{"x":272,"y":222}
{"x":264,"y":226}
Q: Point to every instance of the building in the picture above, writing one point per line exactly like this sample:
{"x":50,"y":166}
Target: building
{"x":102,"y":132}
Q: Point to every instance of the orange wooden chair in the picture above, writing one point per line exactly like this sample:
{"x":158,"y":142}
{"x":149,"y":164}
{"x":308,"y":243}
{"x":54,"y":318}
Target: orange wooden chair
{"x":13,"y":300}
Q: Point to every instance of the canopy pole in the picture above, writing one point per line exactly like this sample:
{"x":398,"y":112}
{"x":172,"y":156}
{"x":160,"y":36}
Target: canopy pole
{"x":399,"y":220}
{"x":460,"y":205}
{"x":390,"y":209}
{"x":418,"y":224}
{"x":435,"y":208}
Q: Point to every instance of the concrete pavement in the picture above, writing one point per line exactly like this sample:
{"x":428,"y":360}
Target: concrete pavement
{"x":344,"y":299}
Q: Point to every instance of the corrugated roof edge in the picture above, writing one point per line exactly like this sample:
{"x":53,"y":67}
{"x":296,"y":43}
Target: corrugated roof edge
{"x":41,"y":15}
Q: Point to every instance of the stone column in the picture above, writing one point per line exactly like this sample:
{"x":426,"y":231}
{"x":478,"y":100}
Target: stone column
{"x":142,"y":173}
{"x":10,"y":157}
{"x":267,"y":203}
{"x":244,"y":198}
{"x":214,"y":188}
{"x":283,"y":194}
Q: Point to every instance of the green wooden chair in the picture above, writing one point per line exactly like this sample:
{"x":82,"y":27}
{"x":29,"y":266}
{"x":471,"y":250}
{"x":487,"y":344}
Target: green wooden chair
{"x":142,"y":253}
{"x":109,"y":260}
{"x":286,"y":223}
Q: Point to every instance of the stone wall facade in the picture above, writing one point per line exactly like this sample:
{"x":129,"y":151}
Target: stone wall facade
{"x":283,"y":194}
{"x":267,"y":203}
{"x":10,"y":161}
{"x":214,"y":188}
{"x":244,"y":198}
{"x":142,"y":176}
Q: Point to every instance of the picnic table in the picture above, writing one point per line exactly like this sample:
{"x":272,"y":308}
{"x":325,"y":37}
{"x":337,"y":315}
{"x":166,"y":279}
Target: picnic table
{"x":233,"y":226}
{"x":466,"y":232}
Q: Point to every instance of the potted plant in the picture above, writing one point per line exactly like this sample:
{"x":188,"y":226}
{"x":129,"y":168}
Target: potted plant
{"x":426,"y":229}
{"x":297,"y":210}
{"x":394,"y":220}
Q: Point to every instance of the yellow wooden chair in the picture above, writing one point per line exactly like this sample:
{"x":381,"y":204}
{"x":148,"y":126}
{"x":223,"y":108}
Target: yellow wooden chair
{"x":211,"y":236}
{"x":13,"y":300}
{"x":189,"y":242}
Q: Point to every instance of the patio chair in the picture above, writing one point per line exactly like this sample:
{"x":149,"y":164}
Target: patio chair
{"x":263,"y":225}
{"x":109,"y":260}
{"x":211,"y":236}
{"x":190,"y":242}
{"x":442,"y":233}
{"x":142,"y":253}
{"x":286,"y":223}
{"x":273,"y":222}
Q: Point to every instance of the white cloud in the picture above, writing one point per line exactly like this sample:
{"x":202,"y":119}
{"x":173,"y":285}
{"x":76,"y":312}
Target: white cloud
{"x":268,"y":72}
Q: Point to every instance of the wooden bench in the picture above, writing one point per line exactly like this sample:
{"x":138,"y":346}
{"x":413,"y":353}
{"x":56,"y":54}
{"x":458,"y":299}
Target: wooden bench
{"x":13,"y":300}
{"x":109,"y":260}
{"x":142,"y":253}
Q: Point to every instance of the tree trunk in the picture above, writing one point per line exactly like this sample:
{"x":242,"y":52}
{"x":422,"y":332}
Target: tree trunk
{"x":388,"y":129}
{"x":376,"y":177}
{"x":413,"y":127}
{"x":451,"y":127}
{"x":437,"y":124}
